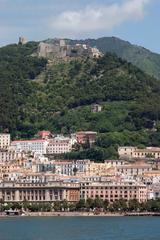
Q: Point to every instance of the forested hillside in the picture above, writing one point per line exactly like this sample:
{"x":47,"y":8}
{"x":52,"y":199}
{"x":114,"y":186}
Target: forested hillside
{"x":17,"y":68}
{"x":36,"y":95}
{"x":146,"y":60}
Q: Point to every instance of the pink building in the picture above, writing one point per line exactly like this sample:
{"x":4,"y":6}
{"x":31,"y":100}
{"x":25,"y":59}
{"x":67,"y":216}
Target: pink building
{"x":84,"y":136}
{"x":44,"y":134}
{"x":113,"y":191}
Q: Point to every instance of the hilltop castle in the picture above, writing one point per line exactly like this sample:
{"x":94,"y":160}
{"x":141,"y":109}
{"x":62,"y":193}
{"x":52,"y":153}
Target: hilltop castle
{"x":60,"y":49}
{"x":22,"y":40}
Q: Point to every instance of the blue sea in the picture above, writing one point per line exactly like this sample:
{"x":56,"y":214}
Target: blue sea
{"x":80,"y":228}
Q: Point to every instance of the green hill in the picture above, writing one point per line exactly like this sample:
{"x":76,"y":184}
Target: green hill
{"x":146,"y":60}
{"x":36,"y":95}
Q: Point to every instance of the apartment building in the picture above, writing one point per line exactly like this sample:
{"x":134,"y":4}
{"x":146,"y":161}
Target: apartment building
{"x":134,"y":152}
{"x":5,"y":140}
{"x":6,"y":155}
{"x":126,"y":152}
{"x":154,"y":191}
{"x":115,"y":163}
{"x":98,"y":169}
{"x":71,"y":168}
{"x":59,"y":145}
{"x":84,"y":136}
{"x":113,"y":191}
{"x":133,"y":169}
{"x":35,"y":146}
{"x":39,"y":192}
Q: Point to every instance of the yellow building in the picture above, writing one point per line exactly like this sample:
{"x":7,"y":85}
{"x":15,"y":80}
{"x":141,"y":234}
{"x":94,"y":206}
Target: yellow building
{"x":99,"y":169}
{"x":134,"y":152}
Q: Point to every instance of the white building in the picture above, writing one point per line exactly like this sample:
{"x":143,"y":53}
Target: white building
{"x":36,"y":146}
{"x":5,"y":140}
{"x":127,"y":151}
{"x":115,"y":163}
{"x":69,"y":167}
{"x":154,"y":192}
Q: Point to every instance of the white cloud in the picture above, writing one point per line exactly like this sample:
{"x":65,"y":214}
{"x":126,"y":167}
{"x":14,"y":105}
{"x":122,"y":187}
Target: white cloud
{"x":92,"y":19}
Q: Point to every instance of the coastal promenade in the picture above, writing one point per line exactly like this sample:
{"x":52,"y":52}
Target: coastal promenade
{"x":83,"y":214}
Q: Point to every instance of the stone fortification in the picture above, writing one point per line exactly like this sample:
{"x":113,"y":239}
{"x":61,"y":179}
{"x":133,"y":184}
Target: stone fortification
{"x":59,"y":49}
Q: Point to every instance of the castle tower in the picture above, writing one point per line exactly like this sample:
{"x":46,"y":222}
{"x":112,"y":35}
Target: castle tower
{"x":62,"y":43}
{"x":22,"y":40}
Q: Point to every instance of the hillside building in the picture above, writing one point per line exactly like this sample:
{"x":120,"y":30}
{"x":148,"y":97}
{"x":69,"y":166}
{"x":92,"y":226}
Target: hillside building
{"x":35,"y":146}
{"x":95,"y":108}
{"x":59,"y":145}
{"x":134,"y":152}
{"x":84,"y":136}
{"x":133,"y":169}
{"x":5,"y":140}
{"x":59,"y":49}
{"x":44,"y":134}
{"x":22,"y":40}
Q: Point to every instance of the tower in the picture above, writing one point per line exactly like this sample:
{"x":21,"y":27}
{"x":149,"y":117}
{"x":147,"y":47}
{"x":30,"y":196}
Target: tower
{"x":22,"y":40}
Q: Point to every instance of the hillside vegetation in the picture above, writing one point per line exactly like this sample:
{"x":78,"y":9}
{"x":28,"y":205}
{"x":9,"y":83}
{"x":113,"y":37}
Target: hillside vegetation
{"x":146,"y":60}
{"x":35,"y":95}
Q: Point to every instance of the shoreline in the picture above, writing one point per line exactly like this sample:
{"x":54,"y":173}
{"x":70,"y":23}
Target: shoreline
{"x":82,"y":214}
{"x":73,"y":214}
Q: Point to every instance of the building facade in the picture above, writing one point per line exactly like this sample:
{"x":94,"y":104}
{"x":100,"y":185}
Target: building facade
{"x":5,"y":140}
{"x":6,"y":155}
{"x":96,"y":108}
{"x":59,"y":145}
{"x":39,"y":192}
{"x":113,"y":191}
{"x":133,"y":169}
{"x":134,"y":152}
{"x":84,"y":136}
{"x":36,"y":146}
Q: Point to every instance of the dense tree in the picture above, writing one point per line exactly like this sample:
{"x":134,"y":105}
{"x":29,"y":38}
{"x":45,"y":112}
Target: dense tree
{"x":58,"y":97}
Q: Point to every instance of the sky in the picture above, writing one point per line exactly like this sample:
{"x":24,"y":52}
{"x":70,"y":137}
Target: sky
{"x":136,"y":21}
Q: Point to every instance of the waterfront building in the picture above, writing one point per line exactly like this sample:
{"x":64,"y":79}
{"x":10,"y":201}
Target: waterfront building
{"x":154,"y":191}
{"x":113,"y":191}
{"x":39,"y":192}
